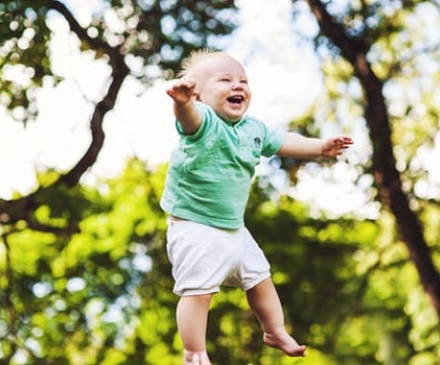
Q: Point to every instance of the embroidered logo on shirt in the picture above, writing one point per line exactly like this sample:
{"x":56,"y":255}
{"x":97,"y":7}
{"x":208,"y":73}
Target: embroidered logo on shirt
{"x":257,"y":143}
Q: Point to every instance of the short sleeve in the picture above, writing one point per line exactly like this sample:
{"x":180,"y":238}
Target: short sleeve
{"x":202,"y":108}
{"x":273,"y":141}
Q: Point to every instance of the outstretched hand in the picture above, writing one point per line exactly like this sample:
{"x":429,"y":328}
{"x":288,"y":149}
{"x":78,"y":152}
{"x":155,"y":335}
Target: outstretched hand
{"x":182,"y":91}
{"x":334,"y":146}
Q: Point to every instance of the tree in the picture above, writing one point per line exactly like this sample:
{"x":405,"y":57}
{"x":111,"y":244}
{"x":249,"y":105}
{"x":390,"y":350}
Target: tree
{"x":84,"y":271}
{"x":156,"y":33}
{"x":366,"y":36}
{"x":25,"y":38}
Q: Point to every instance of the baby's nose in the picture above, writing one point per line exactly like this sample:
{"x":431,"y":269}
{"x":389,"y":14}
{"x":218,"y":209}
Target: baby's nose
{"x":237,"y":85}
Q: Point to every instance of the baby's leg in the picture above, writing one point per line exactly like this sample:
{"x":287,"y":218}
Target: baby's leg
{"x":264,"y":300}
{"x":192,"y":320}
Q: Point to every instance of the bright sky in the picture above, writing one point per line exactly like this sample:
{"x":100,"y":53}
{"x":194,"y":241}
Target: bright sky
{"x":141,"y":123}
{"x":283,"y":77}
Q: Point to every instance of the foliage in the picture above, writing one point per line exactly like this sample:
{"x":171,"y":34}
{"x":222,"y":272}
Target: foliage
{"x":94,"y":297}
{"x":105,"y":296}
{"x":152,"y":35}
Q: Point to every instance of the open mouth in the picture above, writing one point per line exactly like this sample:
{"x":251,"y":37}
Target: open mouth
{"x":236,"y":99}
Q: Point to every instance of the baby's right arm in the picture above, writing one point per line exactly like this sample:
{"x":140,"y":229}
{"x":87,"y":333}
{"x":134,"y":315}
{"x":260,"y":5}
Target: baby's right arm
{"x":185,"y":111}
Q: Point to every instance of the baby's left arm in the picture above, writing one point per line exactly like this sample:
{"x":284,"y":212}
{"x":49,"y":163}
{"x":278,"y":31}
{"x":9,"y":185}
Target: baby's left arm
{"x":297,"y":146}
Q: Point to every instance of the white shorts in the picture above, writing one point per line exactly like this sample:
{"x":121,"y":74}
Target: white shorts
{"x":205,"y":257}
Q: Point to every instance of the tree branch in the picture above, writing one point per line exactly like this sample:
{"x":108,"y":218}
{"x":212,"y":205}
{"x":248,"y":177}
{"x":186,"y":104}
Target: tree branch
{"x":119,"y":72}
{"x":24,"y":207}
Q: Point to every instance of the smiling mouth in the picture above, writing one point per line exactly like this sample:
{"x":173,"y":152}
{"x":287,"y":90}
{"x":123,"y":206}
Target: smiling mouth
{"x":235,"y":99}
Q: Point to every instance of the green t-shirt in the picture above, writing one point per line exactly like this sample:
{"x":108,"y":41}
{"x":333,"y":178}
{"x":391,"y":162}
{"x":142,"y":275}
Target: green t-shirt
{"x":210,"y":171}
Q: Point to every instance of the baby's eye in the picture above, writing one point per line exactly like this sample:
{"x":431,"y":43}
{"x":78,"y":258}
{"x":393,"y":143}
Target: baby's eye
{"x":243,"y":81}
{"x":225,"y":79}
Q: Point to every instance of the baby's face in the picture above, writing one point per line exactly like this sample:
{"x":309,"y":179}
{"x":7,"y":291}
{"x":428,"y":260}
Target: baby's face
{"x":221,"y":83}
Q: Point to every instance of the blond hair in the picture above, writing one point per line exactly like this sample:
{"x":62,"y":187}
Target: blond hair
{"x":196,"y":57}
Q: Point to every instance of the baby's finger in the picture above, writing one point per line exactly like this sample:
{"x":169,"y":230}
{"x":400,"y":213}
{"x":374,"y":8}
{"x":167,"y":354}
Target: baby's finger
{"x":189,"y":83}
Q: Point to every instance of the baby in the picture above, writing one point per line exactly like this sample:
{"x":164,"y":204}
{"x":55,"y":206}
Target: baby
{"x":206,"y":192}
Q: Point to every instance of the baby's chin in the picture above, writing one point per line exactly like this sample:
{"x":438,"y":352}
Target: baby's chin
{"x":231,"y":117}
{"x":232,"y":120}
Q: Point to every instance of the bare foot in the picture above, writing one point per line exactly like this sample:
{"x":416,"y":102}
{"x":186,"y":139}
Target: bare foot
{"x":282,"y":341}
{"x":195,"y":358}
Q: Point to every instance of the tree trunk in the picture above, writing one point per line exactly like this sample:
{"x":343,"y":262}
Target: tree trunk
{"x":386,"y":176}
